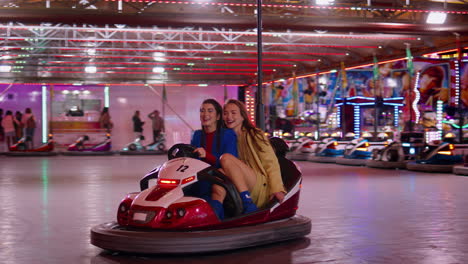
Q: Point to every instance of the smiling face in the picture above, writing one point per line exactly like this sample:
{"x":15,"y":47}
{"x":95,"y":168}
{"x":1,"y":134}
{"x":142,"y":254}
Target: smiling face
{"x":232,"y":117}
{"x":209,"y":117}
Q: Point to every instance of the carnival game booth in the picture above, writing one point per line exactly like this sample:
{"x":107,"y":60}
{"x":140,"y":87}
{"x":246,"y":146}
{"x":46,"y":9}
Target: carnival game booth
{"x":462,"y":169}
{"x":21,"y":148}
{"x":439,"y":157}
{"x":398,"y":153}
{"x":79,"y":148}
{"x":168,"y":217}
{"x":358,"y":151}
{"x":137,"y":148}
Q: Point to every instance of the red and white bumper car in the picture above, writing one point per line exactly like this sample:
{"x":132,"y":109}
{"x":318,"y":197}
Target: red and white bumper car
{"x":168,"y":218}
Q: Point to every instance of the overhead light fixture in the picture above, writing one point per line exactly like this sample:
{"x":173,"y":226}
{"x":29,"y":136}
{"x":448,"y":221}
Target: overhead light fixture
{"x":90,"y":69}
{"x":159,"y":56}
{"x":436,"y":18}
{"x":5,"y":68}
{"x":158,"y":69}
{"x":91,"y":51}
{"x":324,"y":2}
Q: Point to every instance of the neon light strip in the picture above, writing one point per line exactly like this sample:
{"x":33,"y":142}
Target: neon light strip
{"x":396,"y":116}
{"x":320,"y":7}
{"x":417,"y":97}
{"x":393,"y":104}
{"x":457,"y":83}
{"x":357,"y":121}
{"x":439,"y":116}
{"x":163,"y":31}
{"x":45,"y":131}
{"x":338,"y":117}
{"x":393,"y":98}
{"x":106,"y":96}
{"x":454,"y":125}
{"x":165,"y":63}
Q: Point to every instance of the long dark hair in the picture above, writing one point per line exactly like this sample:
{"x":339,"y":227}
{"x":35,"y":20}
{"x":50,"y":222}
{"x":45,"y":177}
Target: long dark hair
{"x":219,"y":124}
{"x":253,"y":131}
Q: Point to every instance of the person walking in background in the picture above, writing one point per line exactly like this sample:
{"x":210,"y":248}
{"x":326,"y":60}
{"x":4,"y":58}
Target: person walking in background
{"x":137,"y":124}
{"x":29,"y":123}
{"x":158,"y":125}
{"x":105,"y":120}
{"x":18,"y":125}
{"x":8,"y":124}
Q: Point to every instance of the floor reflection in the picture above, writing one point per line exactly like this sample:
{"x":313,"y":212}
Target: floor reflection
{"x":275,"y":253}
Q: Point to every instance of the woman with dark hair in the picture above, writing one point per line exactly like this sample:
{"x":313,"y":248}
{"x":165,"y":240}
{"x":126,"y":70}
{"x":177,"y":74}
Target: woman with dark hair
{"x":105,"y":120}
{"x":212,"y":141}
{"x":256,"y":173}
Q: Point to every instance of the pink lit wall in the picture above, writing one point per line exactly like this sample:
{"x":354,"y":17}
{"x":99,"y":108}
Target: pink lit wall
{"x":19,"y":97}
{"x":181,"y":114}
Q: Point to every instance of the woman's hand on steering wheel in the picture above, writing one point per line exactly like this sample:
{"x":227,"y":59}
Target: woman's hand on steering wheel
{"x":279,"y":196}
{"x":201,"y":152}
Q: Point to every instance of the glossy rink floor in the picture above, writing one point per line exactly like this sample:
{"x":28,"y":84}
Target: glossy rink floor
{"x":359,"y":215}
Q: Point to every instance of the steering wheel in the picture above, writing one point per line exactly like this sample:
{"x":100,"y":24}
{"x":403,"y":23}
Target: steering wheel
{"x":181,"y":150}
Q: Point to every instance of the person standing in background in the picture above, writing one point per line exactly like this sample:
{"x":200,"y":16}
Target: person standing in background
{"x":18,"y":126}
{"x":105,"y":120}
{"x":137,"y":124}
{"x":29,"y":123}
{"x":8,"y":124}
{"x":158,"y":125}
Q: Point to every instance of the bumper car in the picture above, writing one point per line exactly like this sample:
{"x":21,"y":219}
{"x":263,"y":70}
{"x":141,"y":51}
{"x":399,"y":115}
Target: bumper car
{"x":462,"y":169}
{"x":158,"y":147}
{"x":355,"y":153}
{"x":168,"y":217}
{"x":436,"y":158}
{"x":79,"y":149}
{"x":326,"y":151}
{"x":137,"y":148}
{"x":306,"y":148}
{"x":397,"y":154}
{"x":21,"y":148}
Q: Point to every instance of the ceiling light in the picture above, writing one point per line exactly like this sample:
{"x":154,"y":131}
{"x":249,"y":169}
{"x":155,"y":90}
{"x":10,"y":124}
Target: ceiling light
{"x":91,"y":51}
{"x":436,"y":18}
{"x":90,"y":69}
{"x":324,"y":2}
{"x":5,"y":68}
{"x":158,"y":69}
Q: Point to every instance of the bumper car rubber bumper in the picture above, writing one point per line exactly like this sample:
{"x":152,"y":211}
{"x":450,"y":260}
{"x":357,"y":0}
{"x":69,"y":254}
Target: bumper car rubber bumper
{"x":146,"y":152}
{"x":414,"y":166}
{"x":87,"y":153}
{"x":31,"y":154}
{"x":460,"y":170}
{"x":111,"y":236}
{"x":352,"y":162}
{"x":386,"y":164}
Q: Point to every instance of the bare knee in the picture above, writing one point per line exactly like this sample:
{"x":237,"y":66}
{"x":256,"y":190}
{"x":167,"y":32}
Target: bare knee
{"x":226,"y":159}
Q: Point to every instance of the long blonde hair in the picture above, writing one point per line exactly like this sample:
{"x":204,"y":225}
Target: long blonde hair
{"x":253,"y":131}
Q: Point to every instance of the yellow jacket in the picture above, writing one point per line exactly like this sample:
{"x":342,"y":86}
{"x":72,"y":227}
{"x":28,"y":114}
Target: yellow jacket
{"x":262,"y":159}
